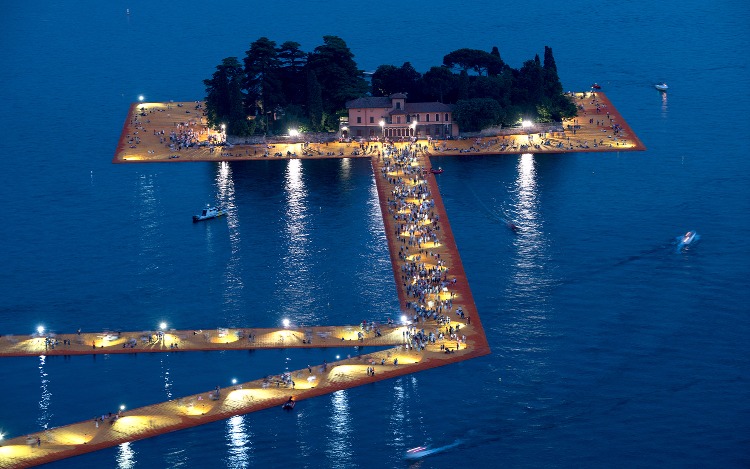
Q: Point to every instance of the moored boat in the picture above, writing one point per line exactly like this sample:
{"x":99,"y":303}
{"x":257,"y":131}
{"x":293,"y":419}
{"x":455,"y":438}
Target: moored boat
{"x":208,"y":213}
{"x":661,"y":86}
{"x":596,"y":86}
{"x":439,"y":170}
{"x":289,"y":405}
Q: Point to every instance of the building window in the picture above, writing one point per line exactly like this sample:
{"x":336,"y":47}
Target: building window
{"x":359,"y":120}
{"x":437,"y":117}
{"x":398,"y":105}
{"x":446,"y":117}
{"x":427,"y":118}
{"x":372,"y":120}
{"x":408,"y":118}
{"x":398,"y":120}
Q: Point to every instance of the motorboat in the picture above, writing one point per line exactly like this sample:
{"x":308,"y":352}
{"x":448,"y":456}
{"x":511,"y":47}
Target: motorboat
{"x":596,"y":86}
{"x":208,"y":213}
{"x":439,"y":170}
{"x":687,"y":239}
{"x":289,"y":405}
{"x":661,"y":86}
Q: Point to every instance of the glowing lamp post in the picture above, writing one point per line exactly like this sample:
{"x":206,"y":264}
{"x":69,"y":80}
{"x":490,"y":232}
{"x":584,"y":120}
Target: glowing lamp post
{"x":382,"y":128}
{"x":526,"y":123}
{"x":140,"y":98}
{"x":286,"y":323}
{"x":163,"y":326}
{"x":40,"y":330}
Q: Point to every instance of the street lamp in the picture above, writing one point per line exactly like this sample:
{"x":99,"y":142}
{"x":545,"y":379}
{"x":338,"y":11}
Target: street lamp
{"x":140,"y":98}
{"x":40,"y":330}
{"x":162,"y":325}
{"x":285,"y":322}
{"x":382,"y":128}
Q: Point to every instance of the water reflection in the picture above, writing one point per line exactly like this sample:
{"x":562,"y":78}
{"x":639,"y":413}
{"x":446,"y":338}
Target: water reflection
{"x":146,"y":210}
{"x":345,"y":169}
{"x":399,"y":409}
{"x":165,"y":375}
{"x":339,"y":445}
{"x":295,"y":282}
{"x":233,"y":283}
{"x":529,"y":276}
{"x":238,"y":442}
{"x":125,"y":456}
{"x":46,"y":396}
{"x":664,"y":104}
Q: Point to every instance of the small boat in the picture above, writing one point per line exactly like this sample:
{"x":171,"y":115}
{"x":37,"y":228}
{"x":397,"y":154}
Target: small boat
{"x":687,"y":239}
{"x":596,"y":86}
{"x":436,"y":171}
{"x":208,"y":213}
{"x":289,"y":405}
{"x":661,"y":86}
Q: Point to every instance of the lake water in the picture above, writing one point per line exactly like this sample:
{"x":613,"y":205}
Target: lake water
{"x":610,"y":349}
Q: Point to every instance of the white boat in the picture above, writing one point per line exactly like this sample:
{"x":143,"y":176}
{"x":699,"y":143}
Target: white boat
{"x":661,"y":86}
{"x":208,"y":213}
{"x":687,"y":239}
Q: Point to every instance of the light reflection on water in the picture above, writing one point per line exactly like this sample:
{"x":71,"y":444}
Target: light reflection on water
{"x":125,"y":456}
{"x":339,"y":445}
{"x":398,"y":413}
{"x":147,"y":214}
{"x":530,"y":277}
{"x":238,"y":442}
{"x":165,"y":375}
{"x":294,"y":282}
{"x":46,"y":396}
{"x":233,"y":284}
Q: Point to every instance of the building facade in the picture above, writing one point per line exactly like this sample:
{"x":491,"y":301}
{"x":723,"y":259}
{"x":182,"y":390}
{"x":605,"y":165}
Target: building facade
{"x":393,"y":117}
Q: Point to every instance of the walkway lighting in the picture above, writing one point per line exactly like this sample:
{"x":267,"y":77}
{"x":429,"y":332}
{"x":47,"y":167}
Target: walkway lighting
{"x":140,"y":98}
{"x":403,"y":319}
{"x":526,"y":124}
{"x":40,"y":330}
{"x":293,"y":133}
{"x":122,"y":407}
{"x":285,"y":322}
{"x":234,"y":380}
{"x":163,"y":325}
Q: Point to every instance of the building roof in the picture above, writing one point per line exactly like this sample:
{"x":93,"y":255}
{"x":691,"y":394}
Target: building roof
{"x":369,"y":102}
{"x":398,"y":96}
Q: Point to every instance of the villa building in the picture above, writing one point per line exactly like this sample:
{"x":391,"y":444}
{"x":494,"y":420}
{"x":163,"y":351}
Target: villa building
{"x":392,"y":117}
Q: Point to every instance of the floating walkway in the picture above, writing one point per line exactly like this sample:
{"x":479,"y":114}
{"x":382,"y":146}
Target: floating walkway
{"x":443,"y":327}
{"x":178,"y":132}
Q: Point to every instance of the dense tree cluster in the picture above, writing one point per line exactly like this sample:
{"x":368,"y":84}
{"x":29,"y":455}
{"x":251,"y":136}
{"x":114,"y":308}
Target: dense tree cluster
{"x":278,"y":87}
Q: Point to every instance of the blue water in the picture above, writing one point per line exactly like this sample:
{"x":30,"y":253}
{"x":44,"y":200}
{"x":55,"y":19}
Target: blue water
{"x":610,"y":349}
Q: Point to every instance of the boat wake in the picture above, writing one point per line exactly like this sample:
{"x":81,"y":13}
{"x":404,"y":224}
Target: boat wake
{"x":423,"y":451}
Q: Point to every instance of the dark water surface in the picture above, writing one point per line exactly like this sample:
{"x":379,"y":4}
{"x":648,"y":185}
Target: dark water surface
{"x":610,"y":349}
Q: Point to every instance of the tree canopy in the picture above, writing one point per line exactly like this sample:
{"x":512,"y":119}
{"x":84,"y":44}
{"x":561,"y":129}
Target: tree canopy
{"x":280,"y":86}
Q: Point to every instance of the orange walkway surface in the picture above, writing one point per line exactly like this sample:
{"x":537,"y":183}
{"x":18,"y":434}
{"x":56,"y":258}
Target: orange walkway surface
{"x":106,"y":342}
{"x":405,"y":188}
{"x":145,"y":137}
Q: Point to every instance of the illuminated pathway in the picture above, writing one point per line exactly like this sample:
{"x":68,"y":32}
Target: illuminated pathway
{"x":430,"y":280}
{"x":407,"y":191}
